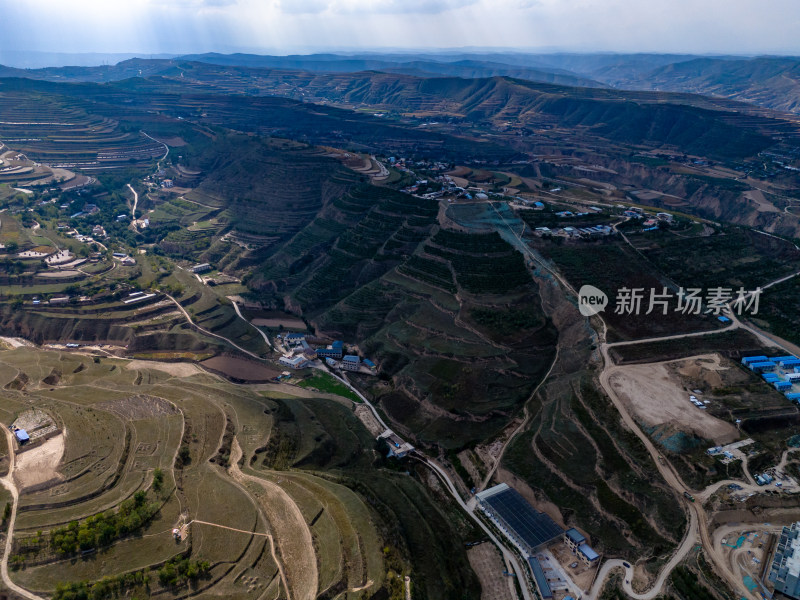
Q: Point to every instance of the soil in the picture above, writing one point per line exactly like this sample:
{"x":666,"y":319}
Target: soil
{"x":274,"y":323}
{"x":178,"y":369}
{"x":39,"y":464}
{"x":656,"y":396}
{"x":365,"y":415}
{"x":488,"y":566}
{"x":241,"y":369}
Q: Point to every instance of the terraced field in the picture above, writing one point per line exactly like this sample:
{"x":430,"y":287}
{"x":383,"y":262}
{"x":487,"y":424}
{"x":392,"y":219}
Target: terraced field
{"x":63,"y":134}
{"x":246,"y":478}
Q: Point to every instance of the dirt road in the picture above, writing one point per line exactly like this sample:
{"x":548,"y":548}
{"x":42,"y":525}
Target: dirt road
{"x":298,"y":564}
{"x":8,"y":483}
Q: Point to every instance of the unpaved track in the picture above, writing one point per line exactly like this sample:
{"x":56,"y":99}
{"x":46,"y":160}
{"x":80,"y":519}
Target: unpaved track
{"x":292,"y":534}
{"x":238,"y":312}
{"x":8,"y":483}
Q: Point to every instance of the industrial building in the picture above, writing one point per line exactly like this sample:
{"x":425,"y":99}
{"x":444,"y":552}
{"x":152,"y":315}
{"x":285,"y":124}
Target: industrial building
{"x":763,"y":366}
{"x":22,"y":436}
{"x":747,"y":360}
{"x":528,"y":528}
{"x":784,"y":572}
{"x":542,"y":585}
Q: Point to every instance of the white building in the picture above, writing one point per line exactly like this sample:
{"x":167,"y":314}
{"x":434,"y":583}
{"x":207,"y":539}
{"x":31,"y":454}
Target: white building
{"x":295,"y":362}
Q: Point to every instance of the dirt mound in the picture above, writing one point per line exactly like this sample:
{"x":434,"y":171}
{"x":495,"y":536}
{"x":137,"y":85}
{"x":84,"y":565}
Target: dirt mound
{"x":53,"y":378}
{"x":19,"y":382}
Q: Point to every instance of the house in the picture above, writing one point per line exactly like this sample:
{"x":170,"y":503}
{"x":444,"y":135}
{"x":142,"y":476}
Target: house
{"x":371,"y":365}
{"x":308,"y":351}
{"x":294,"y":338}
{"x":351,"y":362}
{"x":662,"y":216}
{"x":167,"y":183}
{"x":335,"y":350}
{"x":59,"y":300}
{"x":397,"y":447}
{"x":122,"y":217}
{"x":576,"y":542}
{"x":98,"y":231}
{"x":128,"y":261}
{"x":201,"y":268}
{"x":22,"y":436}
{"x":295,"y":362}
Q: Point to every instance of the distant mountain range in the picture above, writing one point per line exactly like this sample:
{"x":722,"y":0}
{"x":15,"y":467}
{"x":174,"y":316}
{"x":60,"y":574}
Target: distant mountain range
{"x":770,"y":82}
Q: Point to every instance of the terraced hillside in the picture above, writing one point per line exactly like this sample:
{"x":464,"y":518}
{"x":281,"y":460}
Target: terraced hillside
{"x":453,"y":318}
{"x":63,"y":134}
{"x":128,"y":451}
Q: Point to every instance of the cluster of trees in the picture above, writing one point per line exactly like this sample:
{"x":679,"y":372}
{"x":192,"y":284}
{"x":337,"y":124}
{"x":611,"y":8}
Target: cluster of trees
{"x":107,"y":587}
{"x":102,"y":529}
{"x":180,"y":570}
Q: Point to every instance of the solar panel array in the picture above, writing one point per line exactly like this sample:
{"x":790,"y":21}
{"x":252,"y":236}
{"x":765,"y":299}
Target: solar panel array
{"x":531,"y":526}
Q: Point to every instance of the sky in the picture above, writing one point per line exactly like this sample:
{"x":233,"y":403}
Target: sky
{"x":146,"y":27}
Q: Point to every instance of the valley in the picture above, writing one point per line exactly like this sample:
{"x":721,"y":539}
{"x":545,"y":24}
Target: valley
{"x":273,"y":346}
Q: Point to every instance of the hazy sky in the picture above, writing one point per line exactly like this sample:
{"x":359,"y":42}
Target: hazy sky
{"x":298,"y":26}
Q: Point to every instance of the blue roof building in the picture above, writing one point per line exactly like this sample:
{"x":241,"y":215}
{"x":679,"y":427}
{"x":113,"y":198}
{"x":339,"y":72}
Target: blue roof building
{"x":336,"y":350}
{"x":790,"y":363}
{"x":540,"y":578}
{"x":723,"y":319}
{"x":574,"y":536}
{"x":766,"y":365}
{"x":369,"y":363}
{"x":587,"y":553}
{"x":794,"y":397}
{"x":780,"y":359}
{"x":22,"y":436}
{"x":351,"y":362}
{"x":751,"y":359}
{"x":783,"y":386}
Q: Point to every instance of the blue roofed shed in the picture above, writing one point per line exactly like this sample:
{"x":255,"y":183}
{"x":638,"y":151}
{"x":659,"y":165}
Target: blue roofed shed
{"x":751,"y":359}
{"x":540,"y":578}
{"x":22,"y":436}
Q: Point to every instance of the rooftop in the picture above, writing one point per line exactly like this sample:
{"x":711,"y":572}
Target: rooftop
{"x":575,"y":536}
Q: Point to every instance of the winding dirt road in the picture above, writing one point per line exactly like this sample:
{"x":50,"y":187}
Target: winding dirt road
{"x":8,"y":483}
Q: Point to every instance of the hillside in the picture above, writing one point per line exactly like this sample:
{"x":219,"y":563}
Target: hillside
{"x":770,"y":82}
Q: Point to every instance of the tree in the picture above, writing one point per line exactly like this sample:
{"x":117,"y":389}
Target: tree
{"x":158,"y":479}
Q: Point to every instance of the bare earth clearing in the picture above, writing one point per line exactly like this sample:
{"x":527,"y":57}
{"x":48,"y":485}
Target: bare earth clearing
{"x":654,"y":393}
{"x":39,"y":464}
{"x":177,"y":369}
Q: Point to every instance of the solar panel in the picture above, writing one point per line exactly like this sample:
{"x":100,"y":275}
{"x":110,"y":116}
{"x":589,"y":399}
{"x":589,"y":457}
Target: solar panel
{"x":531,"y":526}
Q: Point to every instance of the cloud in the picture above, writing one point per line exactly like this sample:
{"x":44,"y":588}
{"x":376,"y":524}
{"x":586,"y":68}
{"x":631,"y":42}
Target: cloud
{"x":289,"y":26}
{"x":350,"y":7}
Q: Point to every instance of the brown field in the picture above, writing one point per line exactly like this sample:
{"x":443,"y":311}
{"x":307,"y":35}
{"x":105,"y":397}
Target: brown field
{"x":239,"y":368}
{"x":656,"y":395}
